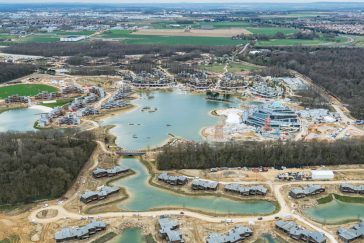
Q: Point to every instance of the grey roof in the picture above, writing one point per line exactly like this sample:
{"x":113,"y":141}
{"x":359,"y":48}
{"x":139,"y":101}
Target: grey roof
{"x":234,"y":235}
{"x":353,"y":187}
{"x":104,"y":191}
{"x":293,"y":229}
{"x":352,"y":233}
{"x":114,"y":170}
{"x":241,"y":188}
{"x":67,"y":233}
{"x":169,"y":227}
{"x":166,"y":177}
{"x":204,"y":183}
{"x":306,"y":190}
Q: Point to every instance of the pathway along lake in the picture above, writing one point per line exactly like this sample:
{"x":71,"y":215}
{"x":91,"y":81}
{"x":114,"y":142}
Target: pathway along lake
{"x":178,"y":113}
{"x":336,"y":212}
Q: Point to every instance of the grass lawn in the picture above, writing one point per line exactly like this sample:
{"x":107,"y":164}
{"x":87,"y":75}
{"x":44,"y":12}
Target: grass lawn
{"x":40,"y":38}
{"x":65,"y":33}
{"x":239,"y":67}
{"x":216,"y":67}
{"x":271,"y":30}
{"x":60,"y":102}
{"x":11,"y":239}
{"x":24,"y":90}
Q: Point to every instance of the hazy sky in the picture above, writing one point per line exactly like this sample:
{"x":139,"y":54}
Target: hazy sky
{"x":173,"y":1}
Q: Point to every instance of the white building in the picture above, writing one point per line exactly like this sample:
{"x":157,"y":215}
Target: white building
{"x":322,"y":174}
{"x":72,"y":38}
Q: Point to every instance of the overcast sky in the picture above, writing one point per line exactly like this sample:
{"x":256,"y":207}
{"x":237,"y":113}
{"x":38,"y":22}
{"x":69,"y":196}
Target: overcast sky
{"x":173,"y":1}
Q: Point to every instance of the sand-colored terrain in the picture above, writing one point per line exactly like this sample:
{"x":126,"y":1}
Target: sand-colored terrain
{"x":193,"y":32}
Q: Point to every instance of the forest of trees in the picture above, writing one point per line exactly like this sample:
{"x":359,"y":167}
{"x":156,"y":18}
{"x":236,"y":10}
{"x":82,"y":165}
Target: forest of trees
{"x":37,"y":165}
{"x":107,"y":49}
{"x":254,"y":154}
{"x":339,"y":70}
{"x":10,"y":71}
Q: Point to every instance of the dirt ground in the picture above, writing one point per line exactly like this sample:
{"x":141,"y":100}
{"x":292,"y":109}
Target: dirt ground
{"x":194,"y":32}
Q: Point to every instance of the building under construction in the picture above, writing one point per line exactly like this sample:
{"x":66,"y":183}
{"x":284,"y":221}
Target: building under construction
{"x":272,"y":116}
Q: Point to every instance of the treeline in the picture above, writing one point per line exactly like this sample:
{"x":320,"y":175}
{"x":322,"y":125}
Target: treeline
{"x":254,"y":154}
{"x":301,"y":35}
{"x":10,"y":71}
{"x":338,"y":70}
{"x":38,"y":165}
{"x":108,"y":49}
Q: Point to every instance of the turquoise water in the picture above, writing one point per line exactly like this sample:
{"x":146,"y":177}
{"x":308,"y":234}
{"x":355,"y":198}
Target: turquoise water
{"x":181,"y":114}
{"x":21,"y":119}
{"x":145,"y":197}
{"x":336,"y":212}
{"x":132,"y":235}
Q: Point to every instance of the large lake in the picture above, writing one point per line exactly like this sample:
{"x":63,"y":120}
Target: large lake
{"x":178,"y":113}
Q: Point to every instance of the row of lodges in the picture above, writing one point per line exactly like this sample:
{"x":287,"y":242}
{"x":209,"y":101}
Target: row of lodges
{"x":345,"y":187}
{"x":354,"y":233}
{"x":69,"y":119}
{"x":274,"y":115}
{"x":154,"y":79}
{"x":169,"y":230}
{"x":172,"y":180}
{"x":45,"y":95}
{"x":115,"y":100}
{"x":79,"y":233}
{"x":198,"y":184}
{"x":102,"y":193}
{"x":17,"y":99}
{"x":237,"y":234}
{"x":299,"y":233}
{"x":246,"y":190}
{"x":69,"y":89}
{"x":46,"y":118}
{"x":309,"y":190}
{"x":263,"y":90}
{"x":101,"y":172}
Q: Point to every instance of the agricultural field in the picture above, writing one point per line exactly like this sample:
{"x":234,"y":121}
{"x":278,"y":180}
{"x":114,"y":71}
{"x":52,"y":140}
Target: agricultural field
{"x":193,"y":32}
{"x":24,"y":90}
{"x":127,"y":37}
{"x":271,"y":30}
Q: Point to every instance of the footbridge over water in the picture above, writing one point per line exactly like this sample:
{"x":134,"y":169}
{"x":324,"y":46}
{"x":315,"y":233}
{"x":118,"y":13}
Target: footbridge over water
{"x":131,"y":152}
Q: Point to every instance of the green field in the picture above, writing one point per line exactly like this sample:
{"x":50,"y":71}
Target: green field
{"x":271,"y":30}
{"x":216,"y":67}
{"x":60,"y":102}
{"x":24,"y":90}
{"x":65,"y":33}
{"x":239,"y":67}
{"x":126,"y":37}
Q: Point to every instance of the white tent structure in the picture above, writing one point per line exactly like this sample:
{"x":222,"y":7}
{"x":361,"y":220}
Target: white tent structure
{"x":322,"y":174}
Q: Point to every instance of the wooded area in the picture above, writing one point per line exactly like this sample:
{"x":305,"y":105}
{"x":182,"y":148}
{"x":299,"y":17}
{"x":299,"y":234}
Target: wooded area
{"x":338,"y":70}
{"x":37,"y":165}
{"x":10,"y":71}
{"x":109,"y":49}
{"x":254,"y":154}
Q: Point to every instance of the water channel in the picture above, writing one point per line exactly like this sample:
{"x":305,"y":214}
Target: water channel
{"x":336,"y":212}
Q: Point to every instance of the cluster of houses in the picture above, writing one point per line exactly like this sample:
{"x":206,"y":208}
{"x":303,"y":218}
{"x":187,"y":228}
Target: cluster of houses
{"x":309,"y":190}
{"x":169,"y":230}
{"x":299,"y":233}
{"x":237,"y":234}
{"x":232,"y":81}
{"x":69,"y":119}
{"x":353,"y":233}
{"x":263,"y":90}
{"x":319,"y":115}
{"x":198,"y":184}
{"x":352,"y":188}
{"x":154,"y":79}
{"x":17,"y":99}
{"x":246,"y":190}
{"x":79,"y":233}
{"x":196,"y":80}
{"x":101,"y":172}
{"x":45,"y":95}
{"x":46,"y":118}
{"x":72,"y":89}
{"x":114,"y":101}
{"x":102,"y":193}
{"x":87,"y":111}
{"x":172,"y":180}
